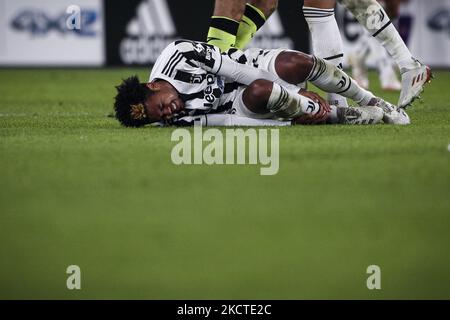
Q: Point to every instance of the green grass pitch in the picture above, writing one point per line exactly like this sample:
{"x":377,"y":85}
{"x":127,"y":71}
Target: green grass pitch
{"x":76,"y":188}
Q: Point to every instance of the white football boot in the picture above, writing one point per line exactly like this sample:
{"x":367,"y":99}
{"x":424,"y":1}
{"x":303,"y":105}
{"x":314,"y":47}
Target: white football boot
{"x":413,"y":81}
{"x":360,"y":115}
{"x":392,"y":114}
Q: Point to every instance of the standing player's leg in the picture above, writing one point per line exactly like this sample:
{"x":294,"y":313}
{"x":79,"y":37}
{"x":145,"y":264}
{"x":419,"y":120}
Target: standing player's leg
{"x":385,"y":64}
{"x":365,"y":45}
{"x":255,"y":15}
{"x":326,"y":38}
{"x":225,"y":23}
{"x":373,"y":17}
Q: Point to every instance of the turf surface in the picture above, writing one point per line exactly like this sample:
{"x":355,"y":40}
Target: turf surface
{"x":76,"y":188}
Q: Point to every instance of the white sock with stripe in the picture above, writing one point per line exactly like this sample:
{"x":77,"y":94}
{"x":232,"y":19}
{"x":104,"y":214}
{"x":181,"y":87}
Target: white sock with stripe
{"x":332,"y":79}
{"x":326,"y":42}
{"x":289,"y":105}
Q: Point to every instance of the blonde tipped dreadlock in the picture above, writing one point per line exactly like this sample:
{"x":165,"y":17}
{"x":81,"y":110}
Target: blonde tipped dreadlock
{"x":138,"y":111}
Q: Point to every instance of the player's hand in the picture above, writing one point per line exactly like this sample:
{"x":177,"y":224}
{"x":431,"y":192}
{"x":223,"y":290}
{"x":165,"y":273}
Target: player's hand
{"x":316,"y":98}
{"x":318,"y":118}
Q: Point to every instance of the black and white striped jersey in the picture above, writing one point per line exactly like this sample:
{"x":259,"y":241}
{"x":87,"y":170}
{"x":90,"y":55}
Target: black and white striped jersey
{"x":192,"y":67}
{"x":207,"y":80}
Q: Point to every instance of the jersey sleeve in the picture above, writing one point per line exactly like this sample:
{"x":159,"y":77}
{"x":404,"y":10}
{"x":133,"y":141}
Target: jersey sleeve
{"x":246,"y":74}
{"x":210,"y":59}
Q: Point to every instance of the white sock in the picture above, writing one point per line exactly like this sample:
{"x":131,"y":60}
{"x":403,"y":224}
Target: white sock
{"x":326,"y":42}
{"x":332,"y":79}
{"x":374,"y":18}
{"x":289,"y":105}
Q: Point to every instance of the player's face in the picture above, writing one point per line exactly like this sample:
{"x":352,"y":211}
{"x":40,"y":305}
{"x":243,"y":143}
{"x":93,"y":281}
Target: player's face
{"x":164,"y":103}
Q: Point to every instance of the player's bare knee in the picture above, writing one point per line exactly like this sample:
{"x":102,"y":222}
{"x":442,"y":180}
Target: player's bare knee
{"x":260,"y":89}
{"x":256,"y":95}
{"x":303,"y":62}
{"x":294,"y":67}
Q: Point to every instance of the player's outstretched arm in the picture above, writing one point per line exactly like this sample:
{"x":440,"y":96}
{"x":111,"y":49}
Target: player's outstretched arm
{"x":245,"y":74}
{"x":210,"y":59}
{"x":228,"y":120}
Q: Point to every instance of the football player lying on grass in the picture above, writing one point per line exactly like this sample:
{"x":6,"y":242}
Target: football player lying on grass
{"x":193,"y":78}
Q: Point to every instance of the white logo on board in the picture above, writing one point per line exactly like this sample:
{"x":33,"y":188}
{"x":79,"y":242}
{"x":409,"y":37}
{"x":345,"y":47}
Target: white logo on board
{"x":148,"y":33}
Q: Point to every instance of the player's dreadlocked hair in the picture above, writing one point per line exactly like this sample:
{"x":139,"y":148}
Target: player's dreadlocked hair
{"x":129,"y":104}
